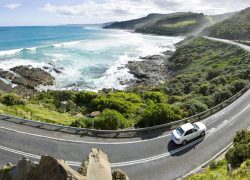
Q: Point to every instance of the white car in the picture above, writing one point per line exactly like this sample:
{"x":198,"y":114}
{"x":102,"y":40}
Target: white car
{"x":187,"y":132}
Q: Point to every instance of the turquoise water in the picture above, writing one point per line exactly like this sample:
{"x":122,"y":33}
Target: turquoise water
{"x":89,"y":58}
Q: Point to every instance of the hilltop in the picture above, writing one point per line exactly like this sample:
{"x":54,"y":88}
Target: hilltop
{"x":236,"y":27}
{"x":180,"y":23}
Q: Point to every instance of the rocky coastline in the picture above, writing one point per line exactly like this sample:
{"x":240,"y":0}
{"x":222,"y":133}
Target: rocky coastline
{"x":24,"y":80}
{"x":150,"y":70}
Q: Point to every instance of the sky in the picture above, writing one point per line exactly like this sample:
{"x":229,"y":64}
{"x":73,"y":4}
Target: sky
{"x":55,"y":12}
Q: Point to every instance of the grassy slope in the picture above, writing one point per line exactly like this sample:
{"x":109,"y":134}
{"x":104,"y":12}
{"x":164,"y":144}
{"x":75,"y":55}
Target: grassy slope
{"x":236,"y":27}
{"x":182,"y":24}
{"x":37,"y":112}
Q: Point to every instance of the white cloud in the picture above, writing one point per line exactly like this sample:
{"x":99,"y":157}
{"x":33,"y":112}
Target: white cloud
{"x":127,"y":9}
{"x":12,"y":6}
{"x":105,"y":10}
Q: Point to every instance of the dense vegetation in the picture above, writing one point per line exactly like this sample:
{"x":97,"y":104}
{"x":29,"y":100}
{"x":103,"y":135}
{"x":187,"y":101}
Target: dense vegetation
{"x":181,"y":23}
{"x":202,"y":74}
{"x":236,"y":27}
{"x":238,"y":156}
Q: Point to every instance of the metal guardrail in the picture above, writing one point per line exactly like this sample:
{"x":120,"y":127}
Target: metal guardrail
{"x":141,"y":132}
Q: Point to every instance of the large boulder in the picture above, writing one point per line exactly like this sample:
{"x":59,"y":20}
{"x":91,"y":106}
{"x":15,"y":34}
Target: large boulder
{"x":94,"y":114}
{"x":51,"y":168}
{"x":98,"y":166}
{"x":20,"y":171}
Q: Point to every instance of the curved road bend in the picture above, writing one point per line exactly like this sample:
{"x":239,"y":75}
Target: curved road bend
{"x":142,"y":159}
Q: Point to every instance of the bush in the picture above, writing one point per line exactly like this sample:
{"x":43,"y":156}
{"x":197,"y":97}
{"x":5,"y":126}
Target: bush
{"x":156,"y":97}
{"x":84,"y":97}
{"x":111,"y":120}
{"x":222,"y":95}
{"x":12,"y":99}
{"x":204,"y":89}
{"x":213,"y":73}
{"x":238,"y":85}
{"x":79,"y":123}
{"x":159,"y":114}
{"x":193,"y":106}
{"x":241,"y":149}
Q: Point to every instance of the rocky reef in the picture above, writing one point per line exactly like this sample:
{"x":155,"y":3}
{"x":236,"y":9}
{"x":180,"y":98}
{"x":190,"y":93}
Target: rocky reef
{"x":95,"y":166}
{"x":24,"y":80}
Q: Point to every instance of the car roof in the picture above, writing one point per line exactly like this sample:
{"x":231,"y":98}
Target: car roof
{"x":187,"y":126}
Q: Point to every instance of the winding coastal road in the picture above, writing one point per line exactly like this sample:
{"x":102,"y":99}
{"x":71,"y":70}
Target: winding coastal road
{"x":142,"y":159}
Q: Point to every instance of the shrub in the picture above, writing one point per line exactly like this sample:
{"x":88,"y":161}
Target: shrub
{"x":213,"y":73}
{"x":193,"y":106}
{"x":238,"y":85}
{"x":204,"y":89}
{"x":156,"y":97}
{"x":84,"y":97}
{"x":241,"y":149}
{"x":159,"y":114}
{"x":111,"y":120}
{"x":67,"y":106}
{"x":222,"y":95}
{"x":12,"y":99}
{"x":79,"y":123}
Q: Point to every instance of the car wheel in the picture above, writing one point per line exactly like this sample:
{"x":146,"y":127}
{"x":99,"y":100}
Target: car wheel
{"x":184,"y":142}
{"x":202,"y":133}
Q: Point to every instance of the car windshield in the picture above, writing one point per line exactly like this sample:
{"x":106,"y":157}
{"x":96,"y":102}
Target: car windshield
{"x":180,"y":131}
{"x":195,"y":126}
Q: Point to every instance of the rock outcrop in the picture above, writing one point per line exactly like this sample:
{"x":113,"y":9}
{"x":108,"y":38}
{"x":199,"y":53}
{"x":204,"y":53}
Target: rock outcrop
{"x":150,"y":71}
{"x":36,"y":75}
{"x":95,"y":166}
{"x":25,"y":78}
{"x":6,"y":74}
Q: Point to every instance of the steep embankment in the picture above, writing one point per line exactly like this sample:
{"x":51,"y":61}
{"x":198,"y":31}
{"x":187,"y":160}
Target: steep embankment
{"x":181,"y":23}
{"x":236,"y":27}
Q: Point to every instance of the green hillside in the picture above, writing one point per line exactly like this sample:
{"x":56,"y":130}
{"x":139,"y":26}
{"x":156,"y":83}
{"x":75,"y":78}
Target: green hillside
{"x":236,"y":27}
{"x":182,"y":23}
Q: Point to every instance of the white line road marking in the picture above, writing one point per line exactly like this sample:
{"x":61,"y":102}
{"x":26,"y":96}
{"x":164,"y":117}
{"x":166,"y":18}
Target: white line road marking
{"x":83,"y":142}
{"x":120,"y":164}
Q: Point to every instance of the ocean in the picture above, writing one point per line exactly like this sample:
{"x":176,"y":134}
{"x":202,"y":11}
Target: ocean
{"x":88,"y":57}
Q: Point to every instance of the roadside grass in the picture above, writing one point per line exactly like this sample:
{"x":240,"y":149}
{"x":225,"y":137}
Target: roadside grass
{"x":37,"y":112}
